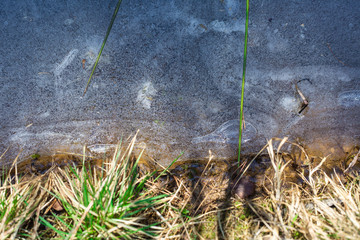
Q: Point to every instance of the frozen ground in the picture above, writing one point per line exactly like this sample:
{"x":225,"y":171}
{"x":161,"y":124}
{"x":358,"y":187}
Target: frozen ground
{"x":173,"y":70}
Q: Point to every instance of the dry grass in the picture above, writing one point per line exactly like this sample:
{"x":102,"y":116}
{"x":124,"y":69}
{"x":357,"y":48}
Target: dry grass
{"x":323,"y":207}
{"x":21,"y":200}
{"x":87,"y":202}
{"x":115,"y":201}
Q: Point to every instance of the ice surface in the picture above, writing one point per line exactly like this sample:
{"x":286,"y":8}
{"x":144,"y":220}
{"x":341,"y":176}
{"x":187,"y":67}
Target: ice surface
{"x":173,"y":70}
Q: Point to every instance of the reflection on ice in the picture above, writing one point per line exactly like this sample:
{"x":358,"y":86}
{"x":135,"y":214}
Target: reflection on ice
{"x":228,"y":133}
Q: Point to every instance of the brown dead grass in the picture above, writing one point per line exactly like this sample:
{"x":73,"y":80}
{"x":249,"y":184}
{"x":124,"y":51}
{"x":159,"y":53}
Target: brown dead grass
{"x":322,"y":207}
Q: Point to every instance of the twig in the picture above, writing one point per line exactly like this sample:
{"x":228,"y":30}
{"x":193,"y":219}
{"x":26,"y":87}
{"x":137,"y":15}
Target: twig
{"x":328,"y":44}
{"x":353,"y":161}
{"x":305,"y":101}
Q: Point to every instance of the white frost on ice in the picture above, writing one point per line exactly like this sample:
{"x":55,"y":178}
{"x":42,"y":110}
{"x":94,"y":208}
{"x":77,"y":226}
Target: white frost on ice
{"x":146,"y":94}
{"x":68,"y":22}
{"x":228,"y":26}
{"x":22,"y":136}
{"x":197,"y":26}
{"x":296,"y":73}
{"x":65,"y":62}
{"x":289,"y":103}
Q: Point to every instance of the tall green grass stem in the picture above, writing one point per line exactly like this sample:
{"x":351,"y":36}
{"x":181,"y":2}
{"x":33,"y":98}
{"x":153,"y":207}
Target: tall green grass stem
{"x":243,"y":80}
{"x":103,"y":44}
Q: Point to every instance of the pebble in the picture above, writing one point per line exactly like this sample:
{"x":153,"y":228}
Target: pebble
{"x":245,"y":188}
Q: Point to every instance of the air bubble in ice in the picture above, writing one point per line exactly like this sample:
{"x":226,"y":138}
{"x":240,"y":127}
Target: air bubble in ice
{"x":349,"y":98}
{"x":228,"y":133}
{"x":101,"y":148}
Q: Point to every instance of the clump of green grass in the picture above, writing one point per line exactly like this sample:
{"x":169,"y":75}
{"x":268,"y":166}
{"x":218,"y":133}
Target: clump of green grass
{"x":107,"y":202}
{"x":90,"y":202}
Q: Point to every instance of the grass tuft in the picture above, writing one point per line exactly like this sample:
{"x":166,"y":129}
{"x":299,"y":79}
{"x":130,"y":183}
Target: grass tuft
{"x":106,"y":202}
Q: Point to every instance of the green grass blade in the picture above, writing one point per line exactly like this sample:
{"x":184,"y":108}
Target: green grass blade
{"x":141,"y":184}
{"x":47,"y":224}
{"x":243,"y":79}
{"x":103,"y":44}
{"x":169,"y":166}
{"x":60,"y":219}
